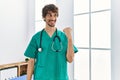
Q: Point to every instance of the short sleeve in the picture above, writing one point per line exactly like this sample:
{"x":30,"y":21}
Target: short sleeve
{"x":75,"y":49}
{"x":31,"y":49}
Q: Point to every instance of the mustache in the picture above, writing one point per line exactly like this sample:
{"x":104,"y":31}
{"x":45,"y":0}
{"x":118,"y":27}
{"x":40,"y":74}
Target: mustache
{"x":52,"y":20}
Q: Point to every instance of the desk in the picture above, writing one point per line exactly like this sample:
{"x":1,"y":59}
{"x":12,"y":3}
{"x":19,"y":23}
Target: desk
{"x":21,"y":67}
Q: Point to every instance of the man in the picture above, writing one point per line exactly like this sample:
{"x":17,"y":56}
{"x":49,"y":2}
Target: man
{"x":49,"y":54}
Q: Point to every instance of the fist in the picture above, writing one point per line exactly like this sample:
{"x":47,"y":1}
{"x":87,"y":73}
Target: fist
{"x":68,"y":32}
{"x":68,"y":29}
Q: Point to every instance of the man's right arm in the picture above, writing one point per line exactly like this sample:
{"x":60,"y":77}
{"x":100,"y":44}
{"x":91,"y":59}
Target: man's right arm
{"x":30,"y":68}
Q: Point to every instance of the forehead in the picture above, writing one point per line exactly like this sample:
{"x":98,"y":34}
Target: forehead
{"x":51,"y":12}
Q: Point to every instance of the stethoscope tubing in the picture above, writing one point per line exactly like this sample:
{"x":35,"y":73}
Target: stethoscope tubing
{"x":52,"y":46}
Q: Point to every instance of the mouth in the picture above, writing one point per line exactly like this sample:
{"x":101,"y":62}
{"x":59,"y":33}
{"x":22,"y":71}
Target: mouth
{"x":52,"y":21}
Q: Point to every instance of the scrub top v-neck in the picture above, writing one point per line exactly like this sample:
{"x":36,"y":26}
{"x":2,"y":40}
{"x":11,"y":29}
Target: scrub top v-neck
{"x":49,"y":65}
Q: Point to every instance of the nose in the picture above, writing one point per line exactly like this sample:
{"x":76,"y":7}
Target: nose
{"x":52,"y":17}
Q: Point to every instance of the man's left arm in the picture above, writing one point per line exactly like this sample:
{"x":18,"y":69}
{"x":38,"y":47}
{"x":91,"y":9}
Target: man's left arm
{"x":70,"y":49}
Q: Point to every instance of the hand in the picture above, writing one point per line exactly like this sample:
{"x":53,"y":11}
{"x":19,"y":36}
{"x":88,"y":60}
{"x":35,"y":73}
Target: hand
{"x":68,"y":32}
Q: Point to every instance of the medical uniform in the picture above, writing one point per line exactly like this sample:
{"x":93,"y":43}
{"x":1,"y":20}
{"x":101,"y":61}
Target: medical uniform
{"x":49,"y":65}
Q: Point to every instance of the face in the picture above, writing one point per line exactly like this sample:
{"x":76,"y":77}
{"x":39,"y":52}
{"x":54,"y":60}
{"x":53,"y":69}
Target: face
{"x":51,"y":18}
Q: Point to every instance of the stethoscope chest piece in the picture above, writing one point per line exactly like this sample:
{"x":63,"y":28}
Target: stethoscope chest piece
{"x":39,"y":49}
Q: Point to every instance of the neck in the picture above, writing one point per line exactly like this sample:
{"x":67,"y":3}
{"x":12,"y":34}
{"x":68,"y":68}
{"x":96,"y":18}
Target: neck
{"x":50,"y":29}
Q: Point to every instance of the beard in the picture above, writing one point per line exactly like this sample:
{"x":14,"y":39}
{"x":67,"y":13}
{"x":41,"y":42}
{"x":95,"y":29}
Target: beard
{"x":51,"y":23}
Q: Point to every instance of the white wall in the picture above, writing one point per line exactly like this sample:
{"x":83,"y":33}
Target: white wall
{"x":65,"y":19}
{"x":115,"y":40}
{"x":15,"y":29}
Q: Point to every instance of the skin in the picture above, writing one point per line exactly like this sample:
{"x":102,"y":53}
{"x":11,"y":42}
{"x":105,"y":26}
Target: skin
{"x":50,"y":28}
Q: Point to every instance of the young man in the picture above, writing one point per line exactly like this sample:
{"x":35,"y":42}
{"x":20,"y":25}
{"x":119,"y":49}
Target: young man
{"x":50,"y":49}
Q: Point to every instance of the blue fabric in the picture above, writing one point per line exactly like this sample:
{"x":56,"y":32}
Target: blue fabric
{"x":20,"y":78}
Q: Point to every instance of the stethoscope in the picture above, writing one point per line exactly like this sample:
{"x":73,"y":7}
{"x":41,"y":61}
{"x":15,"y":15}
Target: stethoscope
{"x":53,"y":42}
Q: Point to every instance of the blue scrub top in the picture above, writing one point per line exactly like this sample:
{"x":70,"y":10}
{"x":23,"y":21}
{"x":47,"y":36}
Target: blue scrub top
{"x":49,"y":65}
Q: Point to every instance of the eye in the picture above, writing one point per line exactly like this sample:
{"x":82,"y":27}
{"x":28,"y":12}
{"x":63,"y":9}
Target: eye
{"x":49,"y":15}
{"x":55,"y":15}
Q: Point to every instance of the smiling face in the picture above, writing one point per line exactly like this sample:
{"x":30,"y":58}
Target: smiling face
{"x":50,"y":14}
{"x":51,"y":18}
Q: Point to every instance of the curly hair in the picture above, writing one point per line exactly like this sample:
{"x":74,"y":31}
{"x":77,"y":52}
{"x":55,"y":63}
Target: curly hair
{"x":49,"y":7}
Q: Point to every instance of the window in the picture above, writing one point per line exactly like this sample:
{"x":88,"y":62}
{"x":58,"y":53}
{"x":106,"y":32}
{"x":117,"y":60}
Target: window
{"x":92,"y":36}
